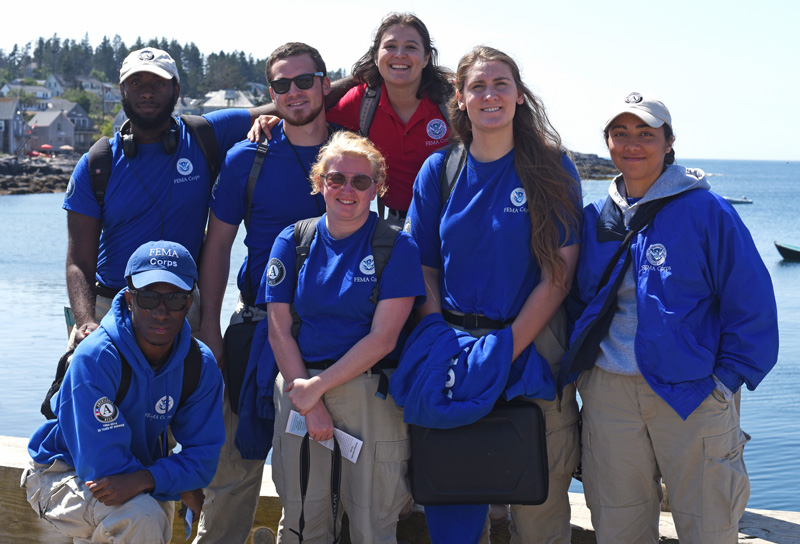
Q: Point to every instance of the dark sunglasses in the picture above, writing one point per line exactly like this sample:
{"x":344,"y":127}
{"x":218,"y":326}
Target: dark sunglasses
{"x":303,"y":82}
{"x":147,"y":300}
{"x":360,"y":182}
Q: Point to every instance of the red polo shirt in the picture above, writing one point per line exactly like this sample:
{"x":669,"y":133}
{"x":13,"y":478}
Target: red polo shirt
{"x":405,"y":146}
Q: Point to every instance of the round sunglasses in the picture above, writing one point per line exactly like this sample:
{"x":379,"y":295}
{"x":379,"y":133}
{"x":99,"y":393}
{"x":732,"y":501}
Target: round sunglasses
{"x":303,"y":82}
{"x":337,"y":180}
{"x":147,"y":300}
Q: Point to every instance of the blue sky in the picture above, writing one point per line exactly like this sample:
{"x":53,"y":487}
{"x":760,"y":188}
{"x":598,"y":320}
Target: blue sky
{"x":727,"y":70}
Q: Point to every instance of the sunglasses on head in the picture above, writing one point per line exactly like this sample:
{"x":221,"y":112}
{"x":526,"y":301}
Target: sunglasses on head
{"x":360,"y":182}
{"x":303,"y":82}
{"x":147,"y":300}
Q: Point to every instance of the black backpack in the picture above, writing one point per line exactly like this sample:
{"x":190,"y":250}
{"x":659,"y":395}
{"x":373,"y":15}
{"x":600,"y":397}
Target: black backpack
{"x":192,"y":365}
{"x":100,"y":155}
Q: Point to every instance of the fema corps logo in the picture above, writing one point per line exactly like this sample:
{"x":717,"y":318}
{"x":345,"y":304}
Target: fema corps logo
{"x":70,"y":187}
{"x":164,"y":404}
{"x":656,"y":254}
{"x":518,"y":197}
{"x":633,"y":98}
{"x":275,"y":272}
{"x":367,"y":266}
{"x":105,"y":411}
{"x":146,"y":55}
{"x":437,"y":129}
{"x":185,"y":167}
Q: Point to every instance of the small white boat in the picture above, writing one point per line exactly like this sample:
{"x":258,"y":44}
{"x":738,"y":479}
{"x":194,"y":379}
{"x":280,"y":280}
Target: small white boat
{"x":742,"y":200}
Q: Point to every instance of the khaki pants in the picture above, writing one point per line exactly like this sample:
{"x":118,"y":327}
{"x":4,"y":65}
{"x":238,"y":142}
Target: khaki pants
{"x":632,"y":439}
{"x":374,"y":489}
{"x":232,"y":496}
{"x":58,"y":496}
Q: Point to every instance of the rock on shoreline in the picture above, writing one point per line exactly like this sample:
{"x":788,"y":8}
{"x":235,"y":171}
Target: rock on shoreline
{"x":51,"y":175}
{"x":35,"y":175}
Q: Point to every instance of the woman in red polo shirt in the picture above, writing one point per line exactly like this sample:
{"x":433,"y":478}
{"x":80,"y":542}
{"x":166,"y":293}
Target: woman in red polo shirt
{"x":408,"y":124}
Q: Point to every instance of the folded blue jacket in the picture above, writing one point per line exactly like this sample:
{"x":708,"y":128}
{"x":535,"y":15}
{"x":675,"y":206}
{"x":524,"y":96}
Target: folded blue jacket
{"x":256,"y":411}
{"x":446,"y":378}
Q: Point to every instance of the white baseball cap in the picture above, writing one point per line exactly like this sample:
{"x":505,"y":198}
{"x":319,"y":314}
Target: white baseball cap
{"x":649,"y":110}
{"x":151,"y":60}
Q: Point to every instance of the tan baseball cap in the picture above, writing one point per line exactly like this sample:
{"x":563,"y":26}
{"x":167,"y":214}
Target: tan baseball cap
{"x":151,"y":60}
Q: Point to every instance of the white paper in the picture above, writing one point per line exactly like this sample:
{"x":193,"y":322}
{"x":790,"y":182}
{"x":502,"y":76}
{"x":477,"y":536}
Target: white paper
{"x":348,"y":444}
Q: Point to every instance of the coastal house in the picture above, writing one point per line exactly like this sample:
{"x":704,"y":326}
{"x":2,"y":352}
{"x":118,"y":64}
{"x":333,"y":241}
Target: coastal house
{"x":227,"y":98}
{"x":92,"y":85}
{"x":84,"y":126}
{"x":53,"y":128}
{"x":57,"y":84}
{"x":38,"y":93}
{"x":13,"y":129}
{"x":111,"y":97}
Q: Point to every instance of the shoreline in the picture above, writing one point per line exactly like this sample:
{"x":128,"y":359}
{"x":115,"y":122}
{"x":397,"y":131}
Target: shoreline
{"x":37,"y":175}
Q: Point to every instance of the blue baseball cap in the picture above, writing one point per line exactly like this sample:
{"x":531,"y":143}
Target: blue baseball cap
{"x":162,"y":261}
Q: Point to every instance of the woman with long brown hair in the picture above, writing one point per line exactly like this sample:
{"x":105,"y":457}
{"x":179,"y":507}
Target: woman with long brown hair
{"x":500,"y":252}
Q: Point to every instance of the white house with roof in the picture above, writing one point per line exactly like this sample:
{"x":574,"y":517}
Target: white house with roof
{"x":227,"y":98}
{"x":13,"y":128}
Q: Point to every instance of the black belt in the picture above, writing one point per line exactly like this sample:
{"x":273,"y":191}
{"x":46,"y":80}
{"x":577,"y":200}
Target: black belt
{"x":473,"y":321}
{"x":104,"y":291}
{"x":378,"y":369}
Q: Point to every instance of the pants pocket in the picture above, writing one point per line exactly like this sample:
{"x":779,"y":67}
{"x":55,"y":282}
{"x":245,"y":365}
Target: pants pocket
{"x":726,"y":486}
{"x":390,"y":483}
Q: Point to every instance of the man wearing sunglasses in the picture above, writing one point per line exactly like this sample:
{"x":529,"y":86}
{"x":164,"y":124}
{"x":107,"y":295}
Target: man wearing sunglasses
{"x":102,"y":469}
{"x":279,"y":195}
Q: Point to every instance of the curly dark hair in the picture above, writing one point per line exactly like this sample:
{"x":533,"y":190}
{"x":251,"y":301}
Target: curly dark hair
{"x":537,"y":160}
{"x":437,"y":81}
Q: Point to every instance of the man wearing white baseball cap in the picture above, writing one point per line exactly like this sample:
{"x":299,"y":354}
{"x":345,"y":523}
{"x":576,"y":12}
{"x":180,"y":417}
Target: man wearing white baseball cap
{"x":150,"y":181}
{"x":102,"y":470}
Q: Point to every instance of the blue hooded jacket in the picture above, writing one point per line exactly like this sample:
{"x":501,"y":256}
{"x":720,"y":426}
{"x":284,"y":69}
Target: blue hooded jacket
{"x":705,"y":306}
{"x":99,"y":439}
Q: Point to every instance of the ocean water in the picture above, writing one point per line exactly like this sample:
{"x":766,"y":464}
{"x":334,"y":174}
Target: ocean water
{"x":33,"y":294}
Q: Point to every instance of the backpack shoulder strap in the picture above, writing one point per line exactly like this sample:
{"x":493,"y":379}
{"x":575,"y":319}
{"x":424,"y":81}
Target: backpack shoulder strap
{"x":202,"y":130}
{"x":369,"y":104}
{"x":304,"y":232}
{"x":382,"y":242}
{"x":192,"y":366}
{"x":255,"y":171}
{"x":454,"y":161}
{"x":99,"y":163}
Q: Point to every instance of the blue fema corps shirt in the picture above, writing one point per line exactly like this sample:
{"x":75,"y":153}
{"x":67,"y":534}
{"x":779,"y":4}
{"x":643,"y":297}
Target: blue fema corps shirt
{"x":480,"y":240}
{"x":335,"y":283}
{"x":153,"y":196}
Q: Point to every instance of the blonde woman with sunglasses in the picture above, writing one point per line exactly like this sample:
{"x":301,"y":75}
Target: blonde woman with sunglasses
{"x":346,"y":344}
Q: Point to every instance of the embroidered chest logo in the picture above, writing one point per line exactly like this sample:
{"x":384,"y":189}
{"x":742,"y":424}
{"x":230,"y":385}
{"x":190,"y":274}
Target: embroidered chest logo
{"x":164,"y":404}
{"x":367,"y":266}
{"x":656,"y":254}
{"x":185,"y":167}
{"x":105,"y":411}
{"x":275,"y":272}
{"x":436,"y":129}
{"x":518,"y":197}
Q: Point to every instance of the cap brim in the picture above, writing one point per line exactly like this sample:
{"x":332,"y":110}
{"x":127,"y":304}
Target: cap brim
{"x":150,"y":277}
{"x":160,"y":72}
{"x":651,"y":120}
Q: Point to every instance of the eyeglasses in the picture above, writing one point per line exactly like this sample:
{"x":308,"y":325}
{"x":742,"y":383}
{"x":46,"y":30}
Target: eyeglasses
{"x":303,"y":82}
{"x":147,"y":300}
{"x":360,"y":182}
